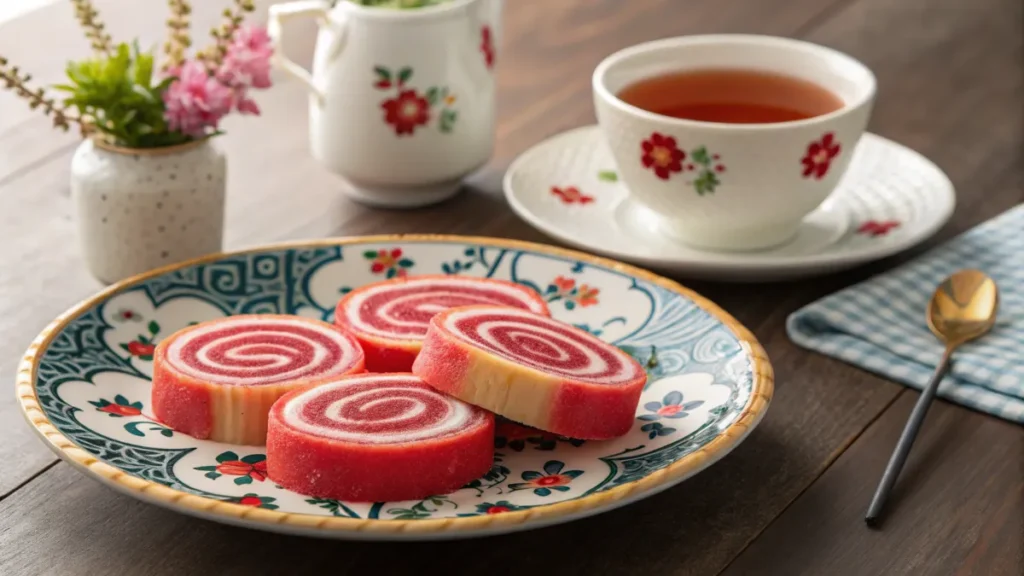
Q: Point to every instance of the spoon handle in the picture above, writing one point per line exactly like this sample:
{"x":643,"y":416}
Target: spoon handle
{"x":899,"y":455}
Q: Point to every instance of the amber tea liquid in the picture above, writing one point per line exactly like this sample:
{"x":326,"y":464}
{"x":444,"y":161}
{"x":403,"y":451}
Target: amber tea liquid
{"x":731,"y":97}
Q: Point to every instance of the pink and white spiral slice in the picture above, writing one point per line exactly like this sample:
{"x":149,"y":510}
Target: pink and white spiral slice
{"x":391,"y":318}
{"x":532,"y":369}
{"x":218,"y":379}
{"x":377,"y":437}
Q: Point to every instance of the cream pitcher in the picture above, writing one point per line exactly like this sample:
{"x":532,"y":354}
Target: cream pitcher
{"x":401,"y":101}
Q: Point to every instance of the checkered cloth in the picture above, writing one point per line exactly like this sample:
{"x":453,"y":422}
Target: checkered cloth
{"x":879,"y":324}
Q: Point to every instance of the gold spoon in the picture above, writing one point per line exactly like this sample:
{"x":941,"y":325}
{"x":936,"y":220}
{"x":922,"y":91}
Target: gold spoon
{"x":962,"y":308}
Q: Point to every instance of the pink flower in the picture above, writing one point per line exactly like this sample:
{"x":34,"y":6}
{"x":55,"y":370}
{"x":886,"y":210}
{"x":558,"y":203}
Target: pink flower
{"x":246,"y":65}
{"x":247,"y":62}
{"x":195,"y":101}
{"x":248,"y":106}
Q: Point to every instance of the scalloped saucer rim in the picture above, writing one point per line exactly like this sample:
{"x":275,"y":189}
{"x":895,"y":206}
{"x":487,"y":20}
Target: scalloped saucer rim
{"x":619,"y":239}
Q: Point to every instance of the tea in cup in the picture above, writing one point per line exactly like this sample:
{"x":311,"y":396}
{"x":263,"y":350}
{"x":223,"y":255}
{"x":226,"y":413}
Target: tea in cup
{"x":731,"y":140}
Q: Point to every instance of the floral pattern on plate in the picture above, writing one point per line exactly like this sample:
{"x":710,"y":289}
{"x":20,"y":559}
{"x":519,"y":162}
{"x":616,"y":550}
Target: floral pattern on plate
{"x":95,"y":392}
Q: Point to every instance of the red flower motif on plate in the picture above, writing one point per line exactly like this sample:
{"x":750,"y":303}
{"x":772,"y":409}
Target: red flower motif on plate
{"x":661,"y":154}
{"x":136,"y":348}
{"x":120,"y":410}
{"x":256,"y":471}
{"x":553,"y":480}
{"x":120,"y":407}
{"x":587,"y":295}
{"x":571,"y":195}
{"x":391,"y":262}
{"x":563,"y":284}
{"x":819,"y":156}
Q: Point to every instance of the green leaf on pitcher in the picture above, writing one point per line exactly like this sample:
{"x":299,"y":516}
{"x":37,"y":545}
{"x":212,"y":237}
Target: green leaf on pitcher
{"x":448,"y":118}
{"x":384,"y":73}
{"x":432,"y":95}
{"x":608,"y":176}
{"x":404,"y":74}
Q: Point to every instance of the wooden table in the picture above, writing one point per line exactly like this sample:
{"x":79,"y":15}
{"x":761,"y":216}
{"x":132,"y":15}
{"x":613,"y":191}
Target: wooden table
{"x":789,"y":500}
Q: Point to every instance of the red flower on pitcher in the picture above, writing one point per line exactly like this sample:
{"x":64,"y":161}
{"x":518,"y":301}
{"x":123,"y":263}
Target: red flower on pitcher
{"x":819,"y":156}
{"x":406,"y":111}
{"x":487,"y":46}
{"x":661,"y":154}
{"x":571,"y":195}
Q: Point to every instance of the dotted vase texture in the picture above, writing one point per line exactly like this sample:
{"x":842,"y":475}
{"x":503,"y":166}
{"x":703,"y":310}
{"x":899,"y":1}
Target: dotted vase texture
{"x":139,"y":211}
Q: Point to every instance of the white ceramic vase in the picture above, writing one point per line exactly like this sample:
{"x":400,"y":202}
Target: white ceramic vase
{"x":140,"y":209}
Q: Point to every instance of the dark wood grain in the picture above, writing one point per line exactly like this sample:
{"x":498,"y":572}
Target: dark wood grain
{"x":966,"y":469}
{"x":950,"y":78}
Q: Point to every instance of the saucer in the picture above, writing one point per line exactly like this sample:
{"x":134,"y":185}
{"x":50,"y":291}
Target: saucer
{"x":890,"y":199}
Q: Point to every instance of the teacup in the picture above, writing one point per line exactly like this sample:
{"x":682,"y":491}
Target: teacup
{"x":762,"y":179}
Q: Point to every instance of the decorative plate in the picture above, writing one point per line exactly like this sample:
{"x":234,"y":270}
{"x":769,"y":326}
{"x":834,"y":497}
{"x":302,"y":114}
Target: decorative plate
{"x":889,"y":199}
{"x":84,"y":385}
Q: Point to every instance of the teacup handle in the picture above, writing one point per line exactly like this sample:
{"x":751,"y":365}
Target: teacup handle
{"x":278,"y":15}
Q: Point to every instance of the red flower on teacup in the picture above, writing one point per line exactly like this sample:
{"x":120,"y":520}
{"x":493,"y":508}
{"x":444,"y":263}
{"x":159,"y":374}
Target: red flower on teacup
{"x":571,"y":195}
{"x":487,"y":46}
{"x":406,"y":111}
{"x":661,"y":154}
{"x":819,"y":156}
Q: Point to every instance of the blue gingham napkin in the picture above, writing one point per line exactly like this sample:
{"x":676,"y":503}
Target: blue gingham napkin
{"x":879,"y":324}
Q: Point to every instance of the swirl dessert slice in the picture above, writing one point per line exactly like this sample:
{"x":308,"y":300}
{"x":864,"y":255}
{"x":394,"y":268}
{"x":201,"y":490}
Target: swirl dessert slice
{"x":532,"y":369}
{"x":377,"y":437}
{"x":218,"y":379}
{"x":390,"y":318}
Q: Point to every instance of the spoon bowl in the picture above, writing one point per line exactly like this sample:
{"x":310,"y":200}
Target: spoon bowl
{"x":963,"y":307}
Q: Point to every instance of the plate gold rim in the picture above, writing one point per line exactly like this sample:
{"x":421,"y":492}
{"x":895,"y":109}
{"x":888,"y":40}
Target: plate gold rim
{"x":761,"y":394}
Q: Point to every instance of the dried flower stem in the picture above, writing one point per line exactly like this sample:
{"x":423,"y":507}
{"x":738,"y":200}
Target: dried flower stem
{"x":94,"y":28}
{"x":14,"y":80}
{"x":214,"y":54}
{"x":178,"y":38}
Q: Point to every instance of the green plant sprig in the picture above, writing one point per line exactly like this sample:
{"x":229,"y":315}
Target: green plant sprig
{"x":18,"y":82}
{"x":178,"y":38}
{"x":117,"y":95}
{"x":94,"y":28}
{"x":213,"y":55}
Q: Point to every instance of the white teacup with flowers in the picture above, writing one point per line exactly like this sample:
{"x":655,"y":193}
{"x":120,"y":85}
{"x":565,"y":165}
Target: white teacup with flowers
{"x":731,"y":186}
{"x":148,"y":184}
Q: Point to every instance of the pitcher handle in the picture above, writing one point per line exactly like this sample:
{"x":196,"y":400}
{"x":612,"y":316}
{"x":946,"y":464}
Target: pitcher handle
{"x":277,"y":16}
